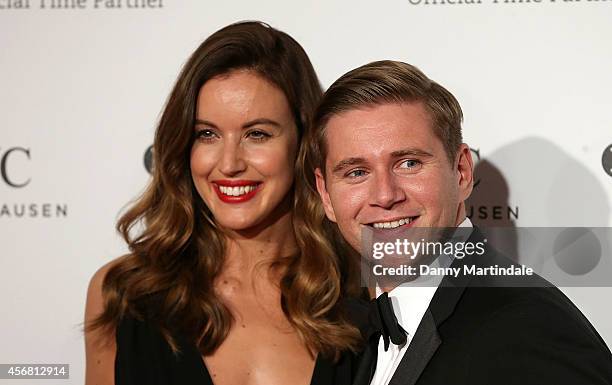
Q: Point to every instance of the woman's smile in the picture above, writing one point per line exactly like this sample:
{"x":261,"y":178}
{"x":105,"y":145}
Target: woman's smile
{"x":236,"y":191}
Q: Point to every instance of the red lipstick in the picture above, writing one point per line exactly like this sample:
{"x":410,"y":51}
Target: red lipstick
{"x":226,"y":189}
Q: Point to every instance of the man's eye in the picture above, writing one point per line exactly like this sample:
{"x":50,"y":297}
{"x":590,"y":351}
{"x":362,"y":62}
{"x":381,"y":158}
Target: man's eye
{"x":356,"y":173}
{"x":258,"y":135}
{"x":410,"y":164}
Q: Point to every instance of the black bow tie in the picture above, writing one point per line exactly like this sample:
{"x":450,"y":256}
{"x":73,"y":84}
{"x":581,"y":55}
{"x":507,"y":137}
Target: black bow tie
{"x":384,"y":323}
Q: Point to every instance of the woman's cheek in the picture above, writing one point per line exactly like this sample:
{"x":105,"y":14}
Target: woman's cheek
{"x":203,"y":159}
{"x":270,"y":160}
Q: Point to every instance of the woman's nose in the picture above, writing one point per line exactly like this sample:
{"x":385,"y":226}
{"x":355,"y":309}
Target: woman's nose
{"x":232,"y":161}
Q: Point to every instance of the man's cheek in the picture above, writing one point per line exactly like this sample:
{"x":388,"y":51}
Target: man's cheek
{"x":351,"y":232}
{"x":356,"y":197}
{"x":416,"y":185}
{"x":426,"y":189}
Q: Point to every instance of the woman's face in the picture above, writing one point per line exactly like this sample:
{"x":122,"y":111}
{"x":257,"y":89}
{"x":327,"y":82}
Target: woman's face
{"x":244,"y":150}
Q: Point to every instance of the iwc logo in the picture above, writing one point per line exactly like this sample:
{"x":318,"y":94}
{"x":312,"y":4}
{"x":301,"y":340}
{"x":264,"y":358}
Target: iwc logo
{"x":14,"y":162}
{"x":9,"y":178}
{"x":489,"y":199}
{"x":606,"y":160}
{"x":148,"y":159}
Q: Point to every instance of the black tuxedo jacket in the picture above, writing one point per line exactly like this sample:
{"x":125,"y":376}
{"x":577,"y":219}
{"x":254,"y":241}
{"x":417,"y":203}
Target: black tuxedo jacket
{"x":485,"y":330}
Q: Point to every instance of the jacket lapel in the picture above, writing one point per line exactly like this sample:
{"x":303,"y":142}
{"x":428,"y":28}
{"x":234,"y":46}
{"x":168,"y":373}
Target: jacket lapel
{"x":422,"y":347}
{"x":426,"y":340}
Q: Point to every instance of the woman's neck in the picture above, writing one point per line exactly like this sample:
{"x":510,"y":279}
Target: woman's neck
{"x":257,"y":249}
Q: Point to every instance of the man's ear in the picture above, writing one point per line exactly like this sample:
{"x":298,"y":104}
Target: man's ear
{"x":322,"y":190}
{"x":465,"y":172}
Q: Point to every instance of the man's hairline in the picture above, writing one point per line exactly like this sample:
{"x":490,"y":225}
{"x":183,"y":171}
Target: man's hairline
{"x":375,"y":104}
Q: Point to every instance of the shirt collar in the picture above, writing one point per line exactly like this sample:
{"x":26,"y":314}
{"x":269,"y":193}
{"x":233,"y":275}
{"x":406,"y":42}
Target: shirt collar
{"x":466,"y":223}
{"x":411,"y":302}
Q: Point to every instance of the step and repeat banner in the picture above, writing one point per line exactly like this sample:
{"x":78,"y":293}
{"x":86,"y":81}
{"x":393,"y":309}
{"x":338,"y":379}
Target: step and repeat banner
{"x":82,"y":84}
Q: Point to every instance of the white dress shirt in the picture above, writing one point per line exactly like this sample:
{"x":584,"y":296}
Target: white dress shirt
{"x":409,"y":304}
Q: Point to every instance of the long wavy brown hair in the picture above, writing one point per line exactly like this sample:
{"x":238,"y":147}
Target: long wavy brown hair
{"x":176,"y":252}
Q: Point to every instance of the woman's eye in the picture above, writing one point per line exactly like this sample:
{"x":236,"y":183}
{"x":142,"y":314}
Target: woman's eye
{"x":356,"y":173}
{"x":258,"y":135}
{"x":205,"y":134}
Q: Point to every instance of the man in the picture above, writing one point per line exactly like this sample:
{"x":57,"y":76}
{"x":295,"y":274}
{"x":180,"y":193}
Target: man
{"x":388,"y":155}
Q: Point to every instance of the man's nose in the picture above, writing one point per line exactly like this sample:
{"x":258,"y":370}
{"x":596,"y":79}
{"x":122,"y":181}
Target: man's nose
{"x":232,"y":160}
{"x":386,"y":191}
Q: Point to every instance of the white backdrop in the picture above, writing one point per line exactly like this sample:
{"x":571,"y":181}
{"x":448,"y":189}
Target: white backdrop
{"x":81,"y":90}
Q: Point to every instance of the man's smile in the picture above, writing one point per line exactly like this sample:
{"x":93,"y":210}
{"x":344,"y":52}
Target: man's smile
{"x":392,"y":223}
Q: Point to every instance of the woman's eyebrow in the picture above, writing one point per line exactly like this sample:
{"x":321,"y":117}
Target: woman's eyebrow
{"x":254,"y":122}
{"x":248,"y":124}
{"x":205,"y":123}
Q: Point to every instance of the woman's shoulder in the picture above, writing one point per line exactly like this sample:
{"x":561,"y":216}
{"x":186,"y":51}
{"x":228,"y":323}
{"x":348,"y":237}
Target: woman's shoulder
{"x":100,"y":344}
{"x":96,"y":281}
{"x":134,"y":351}
{"x":94,"y":305}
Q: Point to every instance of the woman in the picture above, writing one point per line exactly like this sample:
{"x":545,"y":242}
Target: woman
{"x":225,"y":283}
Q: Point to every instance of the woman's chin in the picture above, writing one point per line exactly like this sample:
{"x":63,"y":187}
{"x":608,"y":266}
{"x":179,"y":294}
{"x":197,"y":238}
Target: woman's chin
{"x":242,"y":225}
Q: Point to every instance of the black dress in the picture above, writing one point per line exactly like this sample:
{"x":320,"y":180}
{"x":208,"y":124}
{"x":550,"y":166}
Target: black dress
{"x":145,"y":358}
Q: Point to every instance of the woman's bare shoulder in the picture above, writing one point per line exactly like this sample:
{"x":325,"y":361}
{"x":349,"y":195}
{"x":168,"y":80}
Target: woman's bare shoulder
{"x":95,"y":300}
{"x":100,"y":346}
{"x":95,"y":284}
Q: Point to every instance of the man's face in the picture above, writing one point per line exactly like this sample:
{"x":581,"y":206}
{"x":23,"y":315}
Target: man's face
{"x":387,"y":169}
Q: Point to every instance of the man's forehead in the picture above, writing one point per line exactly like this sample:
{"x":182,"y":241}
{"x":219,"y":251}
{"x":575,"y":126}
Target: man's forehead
{"x":379,"y":130}
{"x":403,"y":110}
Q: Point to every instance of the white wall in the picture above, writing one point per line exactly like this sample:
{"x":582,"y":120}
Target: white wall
{"x":81,"y":90}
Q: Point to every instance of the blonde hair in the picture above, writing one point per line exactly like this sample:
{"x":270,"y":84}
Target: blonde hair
{"x":382,"y":82}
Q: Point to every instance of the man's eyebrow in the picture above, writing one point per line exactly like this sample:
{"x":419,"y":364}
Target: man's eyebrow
{"x":410,"y":152}
{"x":344,"y":163}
